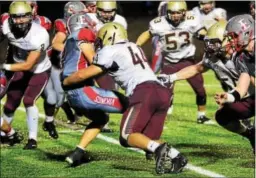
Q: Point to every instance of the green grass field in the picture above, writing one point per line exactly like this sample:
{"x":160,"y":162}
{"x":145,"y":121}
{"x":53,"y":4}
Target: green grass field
{"x":208,"y":147}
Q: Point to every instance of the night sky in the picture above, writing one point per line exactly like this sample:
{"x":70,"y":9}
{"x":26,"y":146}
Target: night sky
{"x":54,"y":9}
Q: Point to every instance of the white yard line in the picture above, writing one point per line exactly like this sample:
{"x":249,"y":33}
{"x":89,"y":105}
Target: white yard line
{"x":191,"y":167}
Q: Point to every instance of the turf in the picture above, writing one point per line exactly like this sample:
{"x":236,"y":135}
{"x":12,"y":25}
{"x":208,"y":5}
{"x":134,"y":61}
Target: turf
{"x":207,"y":146}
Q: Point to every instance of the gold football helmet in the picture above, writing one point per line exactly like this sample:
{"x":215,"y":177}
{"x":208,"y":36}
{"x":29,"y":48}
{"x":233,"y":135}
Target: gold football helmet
{"x":20,"y":16}
{"x":106,"y":10}
{"x":110,"y":34}
{"x":176,"y":11}
{"x":214,"y":37}
{"x":206,"y":6}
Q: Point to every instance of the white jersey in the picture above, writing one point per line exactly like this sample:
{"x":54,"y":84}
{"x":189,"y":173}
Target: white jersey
{"x":212,"y":17}
{"x":118,"y":19}
{"x":127,"y":64}
{"x":176,"y":42}
{"x":37,"y":39}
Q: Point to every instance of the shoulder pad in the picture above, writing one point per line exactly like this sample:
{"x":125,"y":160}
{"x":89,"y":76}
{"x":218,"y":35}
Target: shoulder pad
{"x":60,"y":26}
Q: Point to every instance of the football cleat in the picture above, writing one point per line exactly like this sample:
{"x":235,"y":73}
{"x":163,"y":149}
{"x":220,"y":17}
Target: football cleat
{"x":149,"y":156}
{"x":32,"y":144}
{"x":163,"y":161}
{"x":50,"y":127}
{"x":76,"y":157}
{"x":15,"y":138}
{"x":178,"y":163}
{"x":107,"y":129}
{"x":204,"y":120}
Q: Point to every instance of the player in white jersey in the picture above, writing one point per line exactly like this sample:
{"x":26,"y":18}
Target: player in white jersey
{"x":143,"y":121}
{"x":29,"y":42}
{"x":227,"y":74}
{"x":208,"y":13}
{"x":106,"y":12}
{"x":176,"y":31}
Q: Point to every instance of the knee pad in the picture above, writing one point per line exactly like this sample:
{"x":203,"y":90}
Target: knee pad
{"x":123,"y":142}
{"x":201,"y":100}
{"x":123,"y":99}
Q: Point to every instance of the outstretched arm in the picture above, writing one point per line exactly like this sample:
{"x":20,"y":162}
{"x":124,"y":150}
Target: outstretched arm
{"x":82,"y":75}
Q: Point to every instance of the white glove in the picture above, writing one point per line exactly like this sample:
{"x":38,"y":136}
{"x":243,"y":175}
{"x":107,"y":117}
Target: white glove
{"x":167,"y":78}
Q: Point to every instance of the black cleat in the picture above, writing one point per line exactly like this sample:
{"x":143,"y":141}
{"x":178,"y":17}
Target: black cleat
{"x":204,"y":120}
{"x":50,"y":127}
{"x":149,"y":155}
{"x":76,"y":158}
{"x":178,"y":163}
{"x":107,"y":129}
{"x":15,"y":138}
{"x":32,"y":144}
{"x":163,"y":161}
{"x":4,"y":139}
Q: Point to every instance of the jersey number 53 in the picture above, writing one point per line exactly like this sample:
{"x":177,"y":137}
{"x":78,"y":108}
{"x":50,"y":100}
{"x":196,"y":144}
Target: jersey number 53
{"x":174,"y":44}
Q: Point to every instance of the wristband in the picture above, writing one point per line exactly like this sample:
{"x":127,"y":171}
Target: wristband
{"x":230,"y":98}
{"x":173,"y":78}
{"x":236,"y":95}
{"x":7,"y":66}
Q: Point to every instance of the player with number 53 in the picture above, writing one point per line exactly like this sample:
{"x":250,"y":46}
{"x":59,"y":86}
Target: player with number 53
{"x":176,"y":31}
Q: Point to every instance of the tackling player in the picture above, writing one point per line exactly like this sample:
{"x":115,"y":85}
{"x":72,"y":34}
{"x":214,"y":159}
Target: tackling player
{"x":143,"y":121}
{"x":176,"y":31}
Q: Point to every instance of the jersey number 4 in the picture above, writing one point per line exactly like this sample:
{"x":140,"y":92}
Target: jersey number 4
{"x":138,"y":59}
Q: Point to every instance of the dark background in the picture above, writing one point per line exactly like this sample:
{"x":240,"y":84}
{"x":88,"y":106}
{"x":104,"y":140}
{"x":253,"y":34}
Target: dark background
{"x":137,"y":13}
{"x":54,"y":9}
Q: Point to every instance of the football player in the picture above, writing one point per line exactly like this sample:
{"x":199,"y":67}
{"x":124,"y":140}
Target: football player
{"x":208,"y":14}
{"x":240,"y":44}
{"x":176,"y":31}
{"x":143,"y":121}
{"x":226,"y":73}
{"x":60,"y":36}
{"x":92,"y":101}
{"x":31,"y":65}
